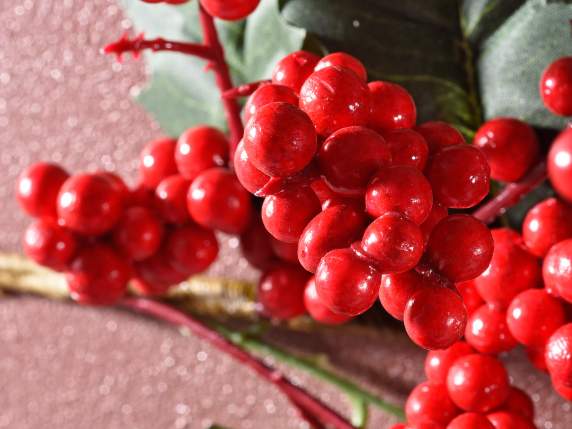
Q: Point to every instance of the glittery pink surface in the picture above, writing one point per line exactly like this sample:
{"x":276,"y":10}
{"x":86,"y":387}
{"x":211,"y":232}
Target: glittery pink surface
{"x":64,"y":366}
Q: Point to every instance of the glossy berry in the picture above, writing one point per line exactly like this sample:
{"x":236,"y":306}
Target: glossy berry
{"x":345,"y":283}
{"x":391,"y":106}
{"x":157,"y":162}
{"x":536,"y":357}
{"x":460,"y":247}
{"x":438,"y":362}
{"x":557,"y":269}
{"x":281,"y":292}
{"x":397,"y":289}
{"x":171,"y":199}
{"x":424,"y":425}
{"x":560,"y":164}
{"x":533,"y":316}
{"x":155,"y":275}
{"x":393,"y":242}
{"x":293,"y":70}
{"x":256,"y":247}
{"x":341,"y":59}
{"x":470,"y":421}
{"x":430,"y":402}
{"x":89,"y":204}
{"x":230,"y":10}
{"x":334,"y":228}
{"x":38,"y":187}
{"x":437,"y":213}
{"x":556,"y":86}
{"x":506,"y":420}
{"x":407,"y":147}
{"x":216,"y":200}
{"x":350,"y":156}
{"x":316,"y":308}
{"x":335,"y":98}
{"x":266,"y":94}
{"x":250,"y":177}
{"x":191,"y":249}
{"x":138,"y":233}
{"x":329,"y":197}
{"x":401,"y":189}
{"x":140,"y":196}
{"x":117,"y":183}
{"x":558,"y":355}
{"x":439,"y":135}
{"x":477,"y":383}
{"x":435,"y":317}
{"x":49,"y":244}
{"x":286,"y":214}
{"x":512,"y":269}
{"x":280,"y":139}
{"x":459,"y":176}
{"x":510,"y":146}
{"x":546,"y":224}
{"x":97,"y":276}
{"x":564,"y":391}
{"x":519,"y":402}
{"x":287,"y":252}
{"x":470,"y":295}
{"x":200,"y":148}
{"x":487,"y":331}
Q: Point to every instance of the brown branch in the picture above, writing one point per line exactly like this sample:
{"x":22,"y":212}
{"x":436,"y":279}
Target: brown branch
{"x":244,"y":90}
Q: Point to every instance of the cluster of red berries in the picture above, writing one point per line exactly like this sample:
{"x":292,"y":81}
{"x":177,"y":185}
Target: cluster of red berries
{"x":102,"y":234}
{"x":229,"y":10}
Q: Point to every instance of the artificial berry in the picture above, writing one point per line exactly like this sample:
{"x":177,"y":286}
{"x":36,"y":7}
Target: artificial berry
{"x":280,"y":139}
{"x":216,"y":200}
{"x":256,"y":247}
{"x":556,"y":270}
{"x":250,"y":177}
{"x":438,"y":362}
{"x":424,"y":425}
{"x":266,"y":94}
{"x":335,"y":98}
{"x":345,"y":283}
{"x":334,"y":228}
{"x":281,"y":292}
{"x":138,"y":233}
{"x":536,"y":357}
{"x":317,"y":309}
{"x":391,"y":106}
{"x":460,"y":247}
{"x":407,"y":147}
{"x":350,"y":156}
{"x":341,"y":59}
{"x":518,"y":402}
{"x":477,"y":383}
{"x":435,"y":317}
{"x":171,"y":199}
{"x":286,"y":214}
{"x":560,"y":164}
{"x":89,"y":204}
{"x":564,"y":391}
{"x":200,"y":148}
{"x":437,"y":213}
{"x":487,"y":330}
{"x":140,"y":196}
{"x":510,"y":145}
{"x":459,"y":176}
{"x":470,"y":421}
{"x":287,"y":252}
{"x":402,"y":189}
{"x":558,"y":355}
{"x":191,"y":249}
{"x":157,"y":162}
{"x":117,"y":183}
{"x":229,"y":10}
{"x":155,"y":275}
{"x":329,"y":198}
{"x":430,"y":402}
{"x":397,"y":289}
{"x":49,"y":244}
{"x":512,"y":269}
{"x":556,"y":86}
{"x":439,"y":135}
{"x":293,"y":70}
{"x":38,"y":187}
{"x":546,"y":224}
{"x":506,"y":420}
{"x":470,"y":295}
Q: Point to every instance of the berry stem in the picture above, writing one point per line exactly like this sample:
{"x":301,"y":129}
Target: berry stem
{"x":511,"y":194}
{"x":244,"y":90}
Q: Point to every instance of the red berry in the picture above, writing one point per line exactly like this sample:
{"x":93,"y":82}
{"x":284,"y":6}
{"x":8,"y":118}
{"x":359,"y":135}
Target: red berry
{"x":248,"y":175}
{"x":393,"y":242}
{"x":438,"y":362}
{"x":317,"y":309}
{"x":199,"y":149}
{"x":533,"y":316}
{"x":560,"y":164}
{"x":506,"y":420}
{"x":518,"y":402}
{"x":286,"y":214}
{"x":546,"y":224}
{"x":138,"y":233}
{"x":140,"y":196}
{"x":266,"y":94}
{"x":38,"y":187}
{"x":229,"y":10}
{"x":97,"y":276}
{"x":329,"y":198}
{"x":558,"y":355}
{"x":341,"y":59}
{"x":564,"y":391}
{"x":535,"y":356}
{"x":401,"y":189}
{"x":439,"y":135}
{"x":280,"y":139}
{"x":191,"y":249}
{"x":335,"y":98}
{"x":216,"y":200}
{"x":470,"y":295}
{"x":391,"y":106}
{"x":407,"y":147}
{"x":470,"y":421}
{"x":435,"y":317}
{"x":157,"y":162}
{"x":89,"y":204}
{"x":487,"y":330}
{"x":397,"y":289}
{"x":334,"y":228}
{"x":556,"y":86}
{"x":510,"y":145}
{"x":281,"y":292}
{"x":437,"y":213}
{"x":171,"y":199}
{"x":350,"y":156}
{"x":49,"y":244}
{"x":293,"y":70}
{"x":256,"y":246}
{"x":117,"y":182}
{"x":512,"y":269}
{"x":287,"y":252}
{"x":557,"y":269}
{"x":460,"y":247}
{"x":430,"y":402}
{"x":345,"y":283}
{"x":424,"y":425}
{"x":155,"y":275}
{"x":459,"y":176}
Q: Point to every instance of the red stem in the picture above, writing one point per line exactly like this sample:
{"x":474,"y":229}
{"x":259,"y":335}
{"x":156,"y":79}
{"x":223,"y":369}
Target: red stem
{"x":511,"y":194}
{"x":307,"y":404}
{"x":244,"y":90}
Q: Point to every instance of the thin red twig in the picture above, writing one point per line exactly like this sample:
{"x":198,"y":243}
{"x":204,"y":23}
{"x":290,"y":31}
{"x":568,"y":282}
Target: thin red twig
{"x":244,"y":90}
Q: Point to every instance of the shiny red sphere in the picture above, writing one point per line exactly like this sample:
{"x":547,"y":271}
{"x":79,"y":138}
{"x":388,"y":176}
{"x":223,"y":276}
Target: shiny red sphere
{"x":281,"y":292}
{"x":191,"y":249}
{"x":256,"y":246}
{"x":557,"y":269}
{"x":546,"y":224}
{"x":437,"y":213}
{"x":287,"y":252}
{"x":391,"y":106}
{"x":138,"y":233}
{"x":470,"y":295}
{"x":266,"y":94}
{"x":200,"y":148}
{"x":556,"y":86}
{"x":317,"y":309}
{"x":470,"y":421}
{"x":155,"y":275}
{"x":49,"y":244}
{"x":487,"y":331}
{"x":171,"y":199}
{"x":439,"y":135}
{"x":430,"y":402}
{"x":341,"y":59}
{"x":293,"y":70}
{"x":558,"y":355}
{"x":438,"y":362}
{"x":229,"y":10}
{"x":250,"y":177}
{"x":398,"y":288}
{"x":564,"y":391}
{"x":407,"y":147}
{"x":560,"y":164}
{"x":506,"y":420}
{"x":157,"y":162}
{"x":519,"y":402}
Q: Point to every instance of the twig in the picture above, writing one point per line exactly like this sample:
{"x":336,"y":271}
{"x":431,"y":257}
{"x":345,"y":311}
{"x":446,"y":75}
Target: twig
{"x":244,"y":90}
